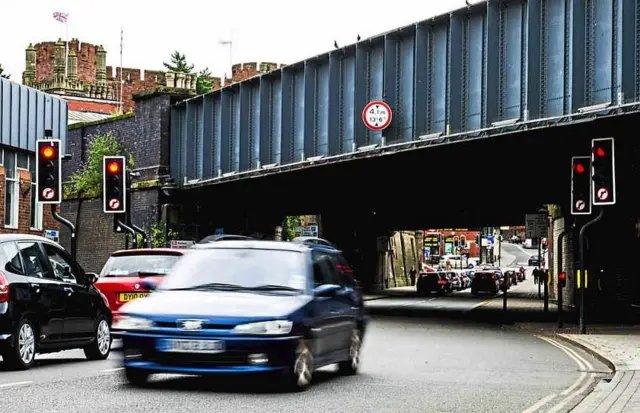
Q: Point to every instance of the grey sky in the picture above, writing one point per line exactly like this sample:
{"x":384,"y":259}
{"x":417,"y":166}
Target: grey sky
{"x":282,"y":31}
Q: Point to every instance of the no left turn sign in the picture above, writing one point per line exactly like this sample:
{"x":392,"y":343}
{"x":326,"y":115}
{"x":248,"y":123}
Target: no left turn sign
{"x":377,"y":115}
{"x":114,"y":203}
{"x":602,"y":194}
{"x":48,"y":193}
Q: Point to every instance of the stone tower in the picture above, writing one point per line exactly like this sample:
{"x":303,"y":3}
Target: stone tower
{"x":101,"y":66}
{"x":59,"y":63}
{"x":30,"y":66}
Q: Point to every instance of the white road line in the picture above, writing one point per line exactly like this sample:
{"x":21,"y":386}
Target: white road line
{"x":112,"y":370}
{"x":585,"y":378}
{"x":540,"y":403}
{"x":19,"y":383}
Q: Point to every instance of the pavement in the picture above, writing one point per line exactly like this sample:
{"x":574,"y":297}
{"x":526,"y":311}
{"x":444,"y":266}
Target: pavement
{"x":420,"y":354}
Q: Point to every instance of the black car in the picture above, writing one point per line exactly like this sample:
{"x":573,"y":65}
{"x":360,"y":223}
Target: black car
{"x":48,"y":303}
{"x":535,"y":262}
{"x":429,"y":282}
{"x":486,"y":281}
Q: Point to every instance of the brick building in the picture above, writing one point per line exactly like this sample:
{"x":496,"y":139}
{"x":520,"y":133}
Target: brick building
{"x":19,"y":129}
{"x":90,"y":86}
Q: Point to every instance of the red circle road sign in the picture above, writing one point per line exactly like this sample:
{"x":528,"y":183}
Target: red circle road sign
{"x":602,"y":194}
{"x":114,"y":203}
{"x":377,"y":115}
{"x":580,"y":205}
{"x":48,"y":193}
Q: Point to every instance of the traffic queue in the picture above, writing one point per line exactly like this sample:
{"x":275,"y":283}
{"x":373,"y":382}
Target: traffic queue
{"x":482,"y":279}
{"x":227,"y":305}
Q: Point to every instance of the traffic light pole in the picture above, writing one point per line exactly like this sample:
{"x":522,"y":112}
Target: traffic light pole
{"x":134,"y":240}
{"x":583,"y":328}
{"x":69,"y":225}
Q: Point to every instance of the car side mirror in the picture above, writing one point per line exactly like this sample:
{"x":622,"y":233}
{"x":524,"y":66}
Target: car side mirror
{"x":149,"y":285}
{"x":326,"y":290}
{"x":92,"y":277}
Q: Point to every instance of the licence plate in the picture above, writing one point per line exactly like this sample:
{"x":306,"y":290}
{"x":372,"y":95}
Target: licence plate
{"x":190,"y":346}
{"x":124,"y":297}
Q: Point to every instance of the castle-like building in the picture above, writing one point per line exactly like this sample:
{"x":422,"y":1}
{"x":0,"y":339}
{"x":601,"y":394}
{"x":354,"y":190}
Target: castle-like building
{"x":94,"y":90}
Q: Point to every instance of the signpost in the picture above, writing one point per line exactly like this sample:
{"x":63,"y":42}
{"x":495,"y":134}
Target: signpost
{"x":377,"y":115}
{"x":537,"y":226}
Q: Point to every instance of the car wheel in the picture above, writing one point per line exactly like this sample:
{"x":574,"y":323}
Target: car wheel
{"x":350,"y":366}
{"x":21,"y":354}
{"x":100,"y":347}
{"x":301,"y":375}
{"x":136,"y":377}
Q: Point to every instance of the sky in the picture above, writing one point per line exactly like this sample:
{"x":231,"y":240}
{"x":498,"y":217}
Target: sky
{"x":281,"y":31}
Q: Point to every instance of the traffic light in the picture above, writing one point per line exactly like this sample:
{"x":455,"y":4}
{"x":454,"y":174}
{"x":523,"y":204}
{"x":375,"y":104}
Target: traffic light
{"x":463,"y":241}
{"x":562,"y":279}
{"x":581,"y":185}
{"x":478,"y":239}
{"x":456,"y":241}
{"x":114,"y":184}
{"x":48,"y":171}
{"x":603,"y":166}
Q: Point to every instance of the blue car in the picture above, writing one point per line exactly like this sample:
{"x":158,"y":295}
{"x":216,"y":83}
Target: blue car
{"x":247,"y":306}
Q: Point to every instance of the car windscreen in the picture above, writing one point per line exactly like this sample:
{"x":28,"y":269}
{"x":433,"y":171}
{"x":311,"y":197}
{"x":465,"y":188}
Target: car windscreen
{"x":239,"y":268}
{"x":138,"y":264}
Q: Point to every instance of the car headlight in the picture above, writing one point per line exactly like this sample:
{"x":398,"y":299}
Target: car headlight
{"x":275,"y":327}
{"x":132,"y":323}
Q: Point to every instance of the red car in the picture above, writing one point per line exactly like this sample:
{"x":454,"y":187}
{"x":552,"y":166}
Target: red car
{"x":122,"y":275}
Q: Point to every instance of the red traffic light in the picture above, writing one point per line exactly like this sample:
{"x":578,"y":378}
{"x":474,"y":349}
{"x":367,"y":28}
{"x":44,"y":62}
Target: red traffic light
{"x":579,"y":168}
{"x":562,"y":276}
{"x":599,"y":152}
{"x":113,"y":167}
{"x":48,"y":152}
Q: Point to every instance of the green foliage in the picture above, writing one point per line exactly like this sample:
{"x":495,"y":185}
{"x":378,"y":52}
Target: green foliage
{"x":158,"y":239}
{"x":2,"y":74}
{"x":178,"y":63}
{"x":87,"y":181}
{"x":289,"y":227}
{"x":204,"y":83}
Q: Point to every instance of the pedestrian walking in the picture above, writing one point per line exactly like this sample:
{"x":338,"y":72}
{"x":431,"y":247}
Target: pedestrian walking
{"x":412,"y":275}
{"x":536,"y":275}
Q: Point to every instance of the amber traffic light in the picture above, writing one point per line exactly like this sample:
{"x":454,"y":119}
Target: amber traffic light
{"x":114,"y":183}
{"x":48,"y":171}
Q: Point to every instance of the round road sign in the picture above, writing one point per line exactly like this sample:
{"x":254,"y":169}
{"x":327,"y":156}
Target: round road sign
{"x":114,"y":203}
{"x":377,"y":115}
{"x":580,"y":205}
{"x":602,"y":194}
{"x":48,"y":193}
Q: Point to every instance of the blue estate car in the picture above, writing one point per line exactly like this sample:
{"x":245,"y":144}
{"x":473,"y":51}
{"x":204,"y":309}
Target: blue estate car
{"x":247,"y":306}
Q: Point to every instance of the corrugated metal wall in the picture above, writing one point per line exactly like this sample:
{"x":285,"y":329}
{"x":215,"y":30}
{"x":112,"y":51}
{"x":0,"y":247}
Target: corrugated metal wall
{"x":501,"y":60}
{"x":25,"y":113}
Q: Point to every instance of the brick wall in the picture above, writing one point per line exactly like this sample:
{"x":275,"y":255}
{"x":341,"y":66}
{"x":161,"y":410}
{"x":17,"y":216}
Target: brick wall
{"x":134,"y":82}
{"x":94,"y":107}
{"x":146,"y":137}
{"x":95,"y":237}
{"x":24,"y":207}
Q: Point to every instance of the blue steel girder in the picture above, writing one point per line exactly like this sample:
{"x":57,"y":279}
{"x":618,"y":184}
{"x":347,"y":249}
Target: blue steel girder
{"x":490,"y":64}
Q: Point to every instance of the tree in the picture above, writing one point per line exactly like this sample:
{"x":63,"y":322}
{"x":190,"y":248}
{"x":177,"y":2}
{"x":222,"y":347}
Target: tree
{"x":289,"y":227}
{"x":87,"y":181}
{"x":158,"y":238}
{"x":178,"y":63}
{"x":204,"y":83}
{"x":2,"y":74}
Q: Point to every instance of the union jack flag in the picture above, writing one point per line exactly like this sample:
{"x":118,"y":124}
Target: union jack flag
{"x":61,"y":17}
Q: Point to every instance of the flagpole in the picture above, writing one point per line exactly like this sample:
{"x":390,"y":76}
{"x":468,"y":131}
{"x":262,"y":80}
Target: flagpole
{"x":121,"y":74}
{"x":66,"y":56}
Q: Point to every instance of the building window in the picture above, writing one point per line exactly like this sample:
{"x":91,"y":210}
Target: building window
{"x":11,"y":185}
{"x":35,"y":219}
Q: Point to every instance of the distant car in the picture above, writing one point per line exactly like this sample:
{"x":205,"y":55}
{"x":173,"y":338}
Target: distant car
{"x":122,"y":276}
{"x":249,"y":306}
{"x":48,"y":303}
{"x":535,"y":262}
